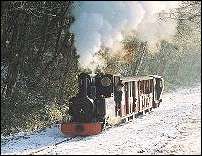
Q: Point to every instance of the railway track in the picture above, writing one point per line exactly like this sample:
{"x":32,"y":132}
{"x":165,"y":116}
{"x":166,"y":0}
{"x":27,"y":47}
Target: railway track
{"x":65,"y":140}
{"x":107,"y":127}
{"x":54,"y":145}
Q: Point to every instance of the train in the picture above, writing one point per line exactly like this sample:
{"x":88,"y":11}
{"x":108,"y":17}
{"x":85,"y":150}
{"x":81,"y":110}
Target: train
{"x":106,"y":99}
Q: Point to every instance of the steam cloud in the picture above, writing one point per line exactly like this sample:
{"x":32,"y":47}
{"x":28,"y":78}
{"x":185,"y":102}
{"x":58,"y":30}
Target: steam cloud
{"x":103,"y":23}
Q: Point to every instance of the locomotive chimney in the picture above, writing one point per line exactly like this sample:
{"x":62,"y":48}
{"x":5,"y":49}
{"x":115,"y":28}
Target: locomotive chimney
{"x":84,"y":81}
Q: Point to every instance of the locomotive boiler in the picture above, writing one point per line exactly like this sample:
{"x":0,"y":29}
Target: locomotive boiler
{"x":102,"y":97}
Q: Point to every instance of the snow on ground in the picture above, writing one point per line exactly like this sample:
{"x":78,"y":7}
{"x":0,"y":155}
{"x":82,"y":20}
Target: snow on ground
{"x":24,"y":142}
{"x":173,"y":128}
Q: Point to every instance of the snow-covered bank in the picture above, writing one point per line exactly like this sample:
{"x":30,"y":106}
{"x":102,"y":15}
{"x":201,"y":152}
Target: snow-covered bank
{"x":173,"y":128}
{"x":28,"y":142}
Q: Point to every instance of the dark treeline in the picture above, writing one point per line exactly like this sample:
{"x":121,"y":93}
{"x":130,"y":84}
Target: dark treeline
{"x":38,"y":63}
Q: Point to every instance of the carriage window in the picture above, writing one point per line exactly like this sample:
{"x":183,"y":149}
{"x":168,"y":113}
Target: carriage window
{"x":147,"y":88}
{"x":133,"y":87}
{"x":130,"y":89}
{"x":151,"y":85}
{"x":141,"y":86}
{"x":126,"y":87}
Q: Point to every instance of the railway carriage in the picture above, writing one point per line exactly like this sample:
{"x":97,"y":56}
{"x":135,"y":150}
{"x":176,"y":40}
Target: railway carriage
{"x":105,"y":99}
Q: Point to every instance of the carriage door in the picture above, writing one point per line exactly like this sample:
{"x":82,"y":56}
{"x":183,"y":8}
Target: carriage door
{"x":130,"y":85}
{"x":138,"y":100}
{"x":135,"y":96}
{"x":141,"y":95}
{"x":126,"y":97}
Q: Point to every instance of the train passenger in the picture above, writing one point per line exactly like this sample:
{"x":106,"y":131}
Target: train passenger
{"x":159,"y":88}
{"x":118,"y":98}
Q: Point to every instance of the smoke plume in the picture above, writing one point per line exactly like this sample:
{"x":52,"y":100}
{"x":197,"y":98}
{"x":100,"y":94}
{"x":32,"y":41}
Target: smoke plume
{"x":104,"y":23}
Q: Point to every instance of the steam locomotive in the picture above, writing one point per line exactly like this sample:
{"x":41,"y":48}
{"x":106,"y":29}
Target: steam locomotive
{"x":104,"y":98}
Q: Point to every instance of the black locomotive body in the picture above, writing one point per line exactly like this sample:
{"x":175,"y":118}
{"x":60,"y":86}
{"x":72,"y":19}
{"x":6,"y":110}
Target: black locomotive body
{"x":104,"y":96}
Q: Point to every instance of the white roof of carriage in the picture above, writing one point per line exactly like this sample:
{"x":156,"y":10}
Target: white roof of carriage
{"x":137,"y":78}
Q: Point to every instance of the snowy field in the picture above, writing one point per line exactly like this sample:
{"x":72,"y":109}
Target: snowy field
{"x":173,"y":128}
